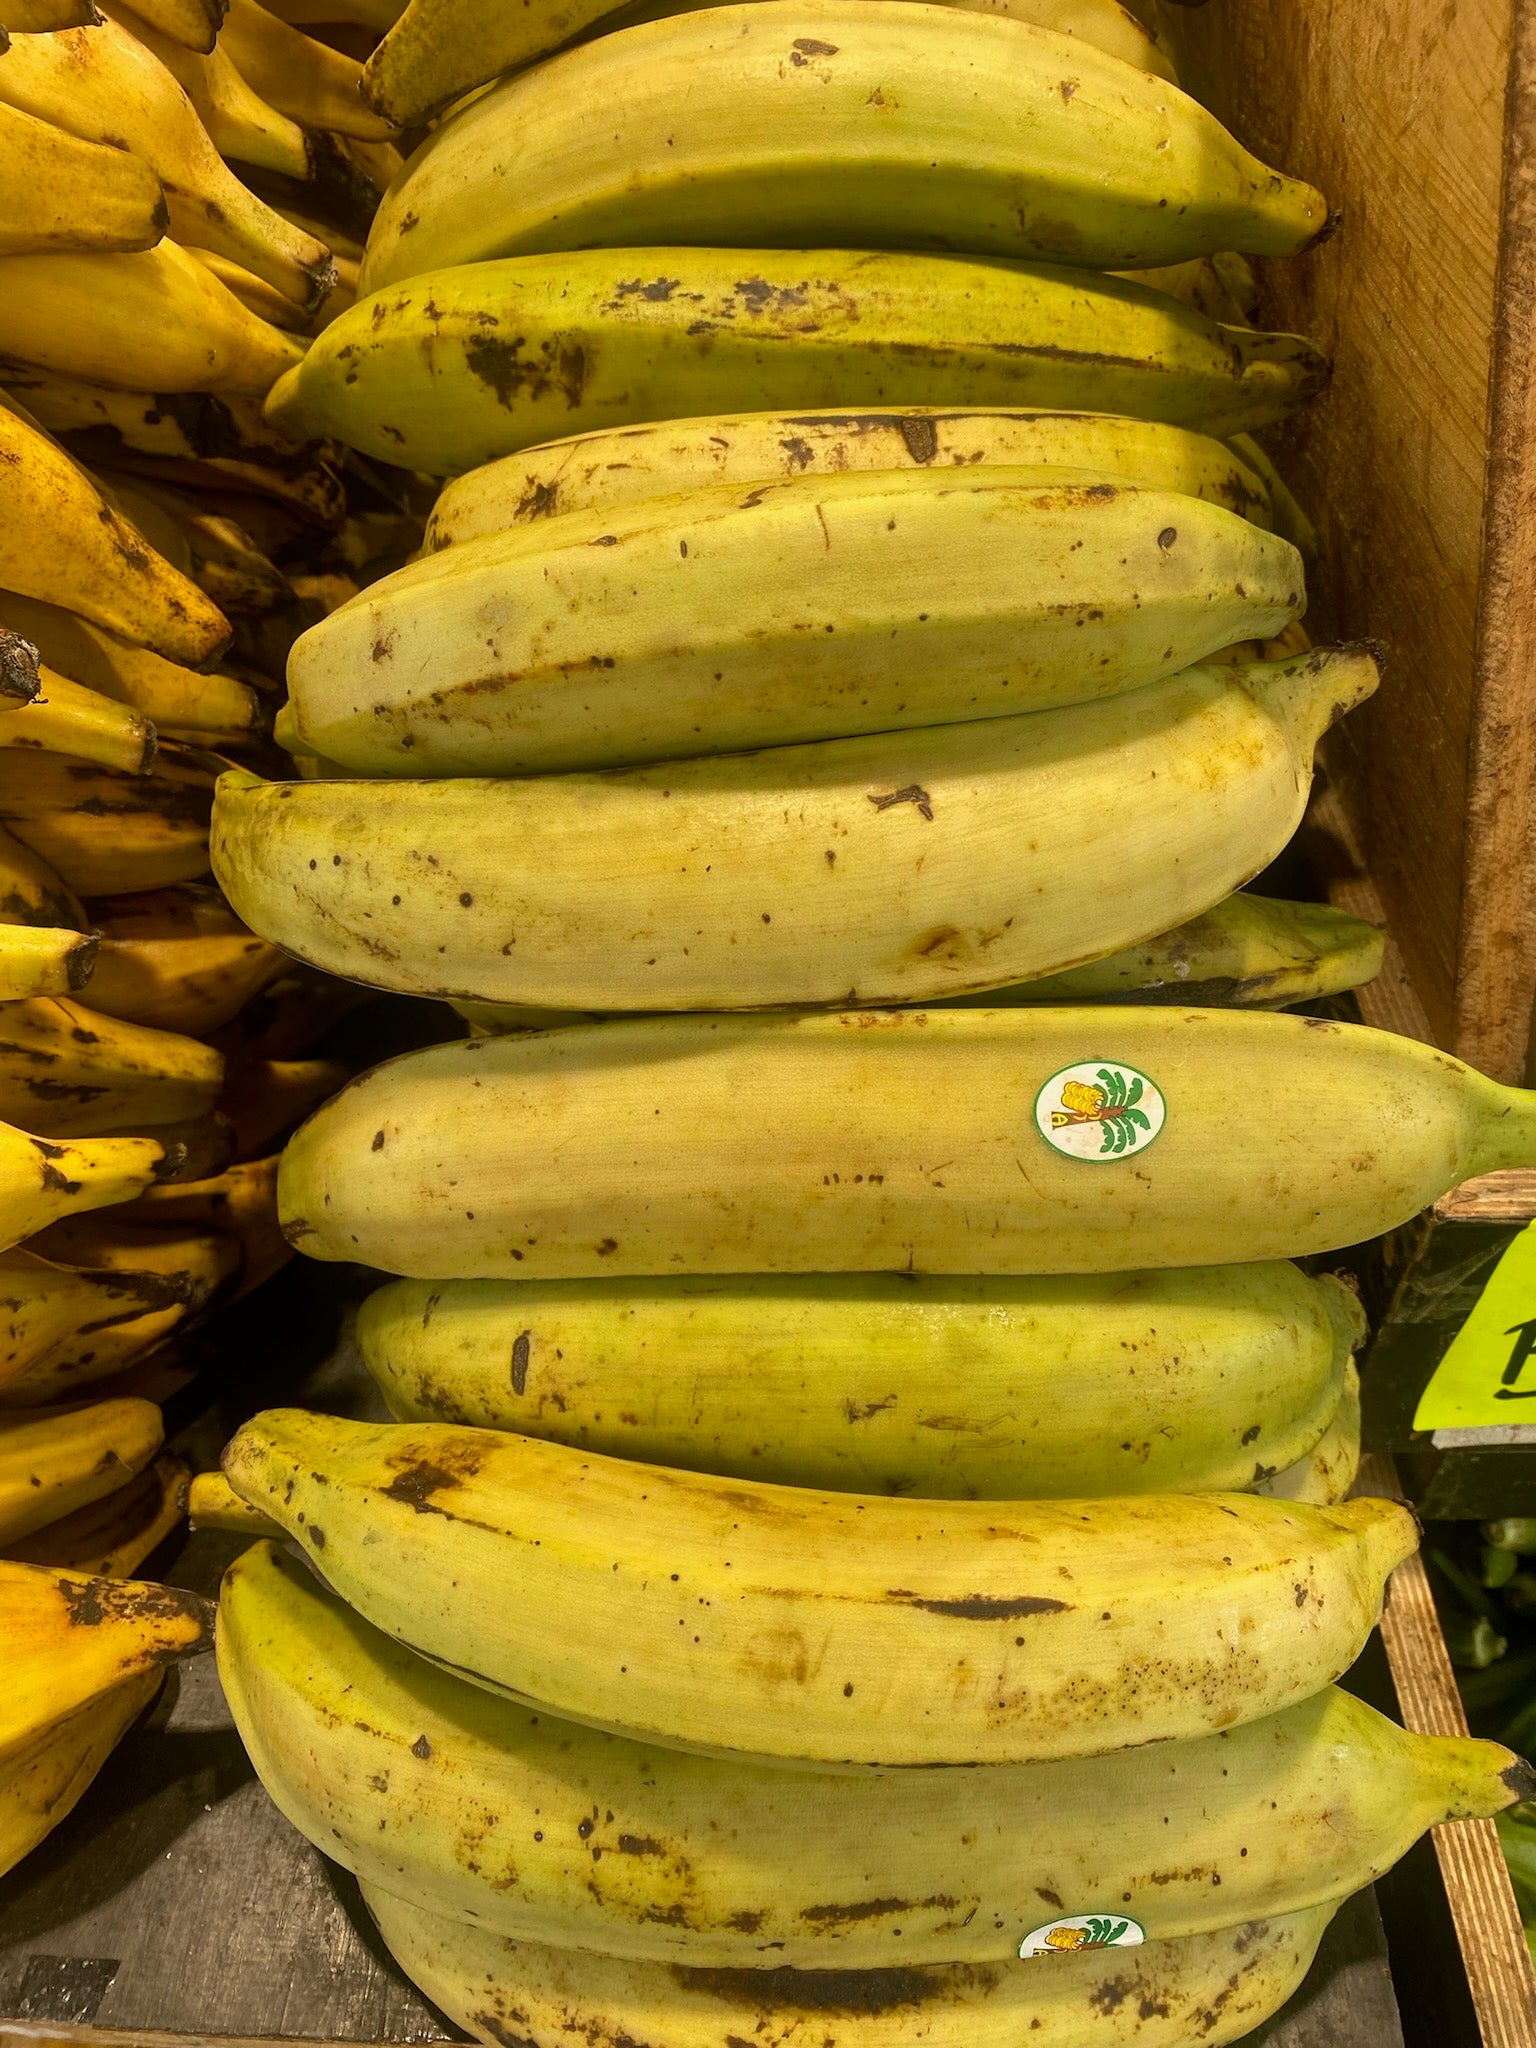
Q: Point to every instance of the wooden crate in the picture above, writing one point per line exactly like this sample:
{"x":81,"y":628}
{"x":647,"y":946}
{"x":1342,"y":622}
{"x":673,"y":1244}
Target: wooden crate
{"x":1418,"y":119}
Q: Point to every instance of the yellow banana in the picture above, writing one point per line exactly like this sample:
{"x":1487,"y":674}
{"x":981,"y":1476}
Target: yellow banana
{"x":240,"y":1202}
{"x":44,"y":1179}
{"x":891,"y":868}
{"x":437,"y":50}
{"x":67,"y":718}
{"x":964,"y":1389}
{"x":452,"y":369}
{"x":1289,"y":518}
{"x":60,"y":541}
{"x":303,"y":78}
{"x":58,"y":192}
{"x":67,"y":1325}
{"x":799,"y":124}
{"x":217,"y":553}
{"x":32,"y":17}
{"x":841,"y":1629}
{"x":558,"y":645}
{"x":158,"y":320}
{"x":100,"y":82}
{"x":264,"y":1099}
{"x":67,"y":1071}
{"x":609,"y":1845}
{"x":103,"y":831}
{"x":239,"y":123}
{"x":54,"y":1460}
{"x":190,"y":24}
{"x":37,"y":960}
{"x":111,"y":1538}
{"x":32,"y":894}
{"x":608,"y":471}
{"x":1213,"y":1988}
{"x":939,"y":1141}
{"x":177,"y":959}
{"x":254,"y":293}
{"x":1328,"y":1472}
{"x":39,"y":1789}
{"x":206,"y":1144}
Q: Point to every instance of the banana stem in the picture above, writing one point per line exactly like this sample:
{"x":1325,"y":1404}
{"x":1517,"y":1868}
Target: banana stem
{"x":1505,"y":1133}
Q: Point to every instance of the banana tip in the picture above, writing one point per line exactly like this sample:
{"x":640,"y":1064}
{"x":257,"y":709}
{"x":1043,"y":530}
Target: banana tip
{"x":1326,"y":232}
{"x":81,"y":963}
{"x":1520,"y":1780}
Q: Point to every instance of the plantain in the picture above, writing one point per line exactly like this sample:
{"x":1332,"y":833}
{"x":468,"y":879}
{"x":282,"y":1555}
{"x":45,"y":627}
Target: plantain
{"x":39,"y":1789}
{"x":963,"y":1389}
{"x":111,"y":1538}
{"x":610,"y":470}
{"x":39,"y":960}
{"x":459,"y":366}
{"x":191,"y":24}
{"x":304,"y":78}
{"x":798,"y":124}
{"x":394,"y":1764}
{"x":66,"y":1071}
{"x":888,"y":868}
{"x":62,"y":543}
{"x":240,"y":1202}
{"x":43,"y":1180}
{"x":1327,"y":1474}
{"x":240,"y":124}
{"x":101,"y":830}
{"x":178,"y":960}
{"x":71,"y":1322}
{"x":727,"y":1615}
{"x":70,"y":719}
{"x":53,"y":1461}
{"x":58,"y":192}
{"x":141,"y":322}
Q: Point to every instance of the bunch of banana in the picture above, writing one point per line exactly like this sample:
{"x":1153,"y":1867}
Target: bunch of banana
{"x":83,"y":1656}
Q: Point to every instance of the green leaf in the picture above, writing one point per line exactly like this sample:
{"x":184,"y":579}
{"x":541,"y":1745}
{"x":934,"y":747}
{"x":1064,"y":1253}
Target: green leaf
{"x":1109,"y":1137}
{"x":1137,"y":1116}
{"x":1135,"y":1094}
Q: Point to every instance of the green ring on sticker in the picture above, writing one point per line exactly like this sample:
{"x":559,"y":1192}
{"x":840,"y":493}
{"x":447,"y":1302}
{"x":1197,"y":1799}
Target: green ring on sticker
{"x":1076,"y":1932}
{"x":1100,"y":1111}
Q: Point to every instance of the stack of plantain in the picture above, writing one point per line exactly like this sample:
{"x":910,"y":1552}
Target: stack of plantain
{"x":846,"y":1325}
{"x":184,"y":192}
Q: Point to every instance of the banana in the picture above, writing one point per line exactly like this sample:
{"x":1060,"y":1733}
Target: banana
{"x":254,"y":293}
{"x":940,"y":1141}
{"x":558,"y":646}
{"x":1289,"y":519}
{"x":158,"y":319}
{"x":889,"y":868}
{"x":100,"y":82}
{"x":801,"y":124}
{"x":609,"y":1845}
{"x":60,"y":541}
{"x":216,"y":552}
{"x":240,"y":1202}
{"x":206,"y":1144}
{"x":32,"y":894}
{"x":32,"y":17}
{"x":437,"y":50}
{"x":111,"y":1538}
{"x":39,"y":1789}
{"x":191,"y":24}
{"x":36,"y":960}
{"x":53,"y":1461}
{"x":69,"y":1324}
{"x":1328,"y":1472}
{"x":264,"y":1099}
{"x":841,"y":1629}
{"x":178,"y":960}
{"x":173,"y":698}
{"x":66,"y":1071}
{"x":66,"y":718}
{"x":457,"y":367}
{"x":102,"y":831}
{"x":57,"y":192}
{"x":962,"y":1389}
{"x":1197,"y":283}
{"x":305,"y":79}
{"x":611,"y":470}
{"x":1207,"y":1987}
{"x":239,"y":123}
{"x":43,"y":1179}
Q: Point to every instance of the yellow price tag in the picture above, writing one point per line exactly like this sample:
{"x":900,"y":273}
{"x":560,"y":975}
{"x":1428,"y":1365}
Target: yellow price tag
{"x":1487,"y":1379}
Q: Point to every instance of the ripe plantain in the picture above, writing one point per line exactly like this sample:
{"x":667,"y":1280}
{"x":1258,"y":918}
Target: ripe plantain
{"x":60,"y":541}
{"x":840,"y":1629}
{"x":55,"y":1460}
{"x":608,"y":470}
{"x":923,"y":1141}
{"x":602,"y":1844}
{"x":158,"y":320}
{"x":38,"y":1789}
{"x":895,"y":867}
{"x":66,"y":1071}
{"x":720,"y":619}
{"x":60,"y":193}
{"x":1327,"y":1474}
{"x":798,"y":124}
{"x":1213,"y":1988}
{"x":965,"y":1388}
{"x":459,"y":366}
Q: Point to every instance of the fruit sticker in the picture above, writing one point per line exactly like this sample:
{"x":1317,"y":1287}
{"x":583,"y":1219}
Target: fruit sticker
{"x":1078,"y":1931}
{"x":1099,"y":1110}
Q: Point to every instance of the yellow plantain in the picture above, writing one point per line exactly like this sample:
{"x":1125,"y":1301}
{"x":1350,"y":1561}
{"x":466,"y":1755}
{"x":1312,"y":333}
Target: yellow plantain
{"x":66,"y":1071}
{"x":67,"y":718}
{"x":1327,"y":1474}
{"x":939,"y":1141}
{"x":111,"y":1538}
{"x":61,"y":542}
{"x":606,"y":471}
{"x":177,"y":959}
{"x":720,"y":619}
{"x":842,"y":1629}
{"x":888,"y":868}
{"x":59,"y":192}
{"x":190,"y":24}
{"x":35,"y":17}
{"x":305,"y":79}
{"x":102,"y":82}
{"x":960,"y":1389}
{"x":67,"y":1324}
{"x":798,"y":124}
{"x":103,"y":831}
{"x":38,"y":960}
{"x":1213,"y":1988}
{"x":239,"y":122}
{"x":459,"y":366}
{"x":158,"y":320}
{"x":240,"y":1203}
{"x":39,"y":1789}
{"x":43,"y":1180}
{"x":55,"y":1460}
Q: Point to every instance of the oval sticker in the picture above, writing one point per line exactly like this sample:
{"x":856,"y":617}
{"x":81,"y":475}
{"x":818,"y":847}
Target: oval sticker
{"x":1100,"y":1110}
{"x":1078,"y":1931}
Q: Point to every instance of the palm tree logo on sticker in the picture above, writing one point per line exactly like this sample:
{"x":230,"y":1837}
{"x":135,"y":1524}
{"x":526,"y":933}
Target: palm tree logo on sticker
{"x":1079,"y":1931}
{"x":1100,"y":1110}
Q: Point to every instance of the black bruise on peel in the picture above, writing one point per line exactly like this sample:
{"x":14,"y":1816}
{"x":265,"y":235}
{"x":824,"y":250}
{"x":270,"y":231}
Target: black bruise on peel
{"x":983,"y":1606}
